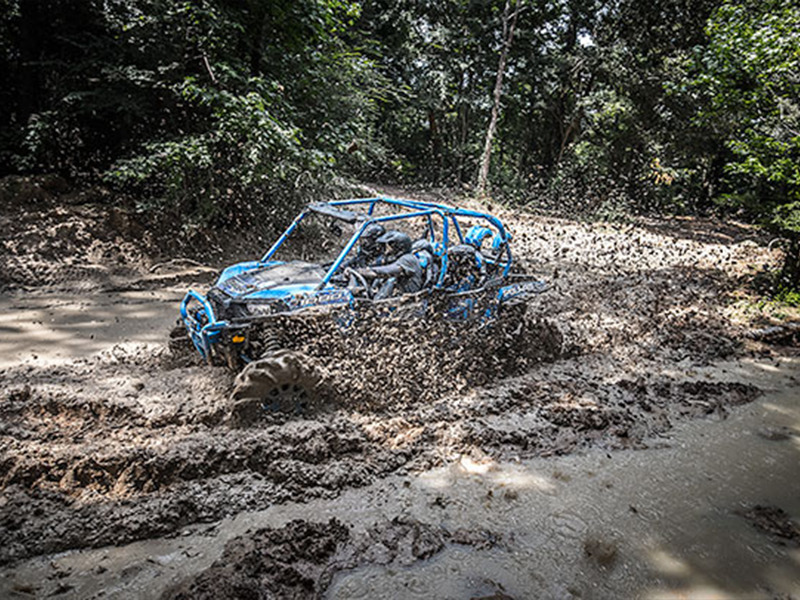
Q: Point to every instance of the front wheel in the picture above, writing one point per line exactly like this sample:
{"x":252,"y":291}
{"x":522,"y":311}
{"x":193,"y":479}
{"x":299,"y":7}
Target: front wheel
{"x":281,"y":383}
{"x":179,"y":341}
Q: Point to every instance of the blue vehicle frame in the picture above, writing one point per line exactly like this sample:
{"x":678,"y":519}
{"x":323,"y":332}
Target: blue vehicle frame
{"x":214,"y":335}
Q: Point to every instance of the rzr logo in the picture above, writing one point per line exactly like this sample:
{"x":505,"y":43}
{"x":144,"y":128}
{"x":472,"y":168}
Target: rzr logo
{"x":322,"y":298}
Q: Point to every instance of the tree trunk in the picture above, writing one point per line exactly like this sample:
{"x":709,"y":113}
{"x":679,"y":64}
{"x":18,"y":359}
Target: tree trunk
{"x":572,"y":127}
{"x":508,"y":37}
{"x":436,"y":143}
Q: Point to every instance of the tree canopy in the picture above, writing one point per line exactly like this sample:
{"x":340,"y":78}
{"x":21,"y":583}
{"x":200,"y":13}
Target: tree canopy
{"x":211,"y":109}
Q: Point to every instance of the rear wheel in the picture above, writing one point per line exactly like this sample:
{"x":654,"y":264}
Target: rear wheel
{"x":523,"y":339}
{"x":282,"y":383}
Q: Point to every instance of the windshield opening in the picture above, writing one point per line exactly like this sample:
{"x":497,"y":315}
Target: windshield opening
{"x":317,"y":239}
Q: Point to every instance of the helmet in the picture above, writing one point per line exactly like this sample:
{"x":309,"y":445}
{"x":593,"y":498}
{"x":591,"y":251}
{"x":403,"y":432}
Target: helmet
{"x":371,"y":234}
{"x":399,"y":243}
{"x":422,"y":245}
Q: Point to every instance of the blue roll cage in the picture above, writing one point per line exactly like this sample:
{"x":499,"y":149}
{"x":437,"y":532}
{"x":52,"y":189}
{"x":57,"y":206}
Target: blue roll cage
{"x":417,"y":208}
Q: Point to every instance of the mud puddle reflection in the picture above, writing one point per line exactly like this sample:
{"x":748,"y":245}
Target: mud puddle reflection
{"x":660,"y":523}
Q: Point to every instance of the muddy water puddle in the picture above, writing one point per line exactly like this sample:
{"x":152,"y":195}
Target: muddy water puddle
{"x":51,"y":328}
{"x":665,"y":522}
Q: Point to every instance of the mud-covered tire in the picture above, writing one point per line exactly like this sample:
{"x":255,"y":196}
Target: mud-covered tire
{"x":527,"y":338}
{"x":179,"y":343}
{"x":513,"y":313}
{"x":283,"y":383}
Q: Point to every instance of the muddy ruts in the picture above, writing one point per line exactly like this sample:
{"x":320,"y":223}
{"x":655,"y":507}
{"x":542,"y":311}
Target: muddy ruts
{"x":85,"y":463}
{"x":117,"y":487}
{"x":300,"y":559}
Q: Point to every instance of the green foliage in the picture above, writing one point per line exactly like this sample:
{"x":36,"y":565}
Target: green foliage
{"x":176,"y":99}
{"x":244,"y":152}
{"x":195,"y":106}
{"x":788,"y":296}
{"x":748,"y":79}
{"x":214,"y":110}
{"x":787,"y":217}
{"x":750,"y":75}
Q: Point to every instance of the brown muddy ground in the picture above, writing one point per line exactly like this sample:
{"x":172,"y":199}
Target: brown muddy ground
{"x":300,"y":559}
{"x":134,"y":442}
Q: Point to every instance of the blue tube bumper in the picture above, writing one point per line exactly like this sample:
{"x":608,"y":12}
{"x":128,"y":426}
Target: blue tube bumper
{"x":201,"y":323}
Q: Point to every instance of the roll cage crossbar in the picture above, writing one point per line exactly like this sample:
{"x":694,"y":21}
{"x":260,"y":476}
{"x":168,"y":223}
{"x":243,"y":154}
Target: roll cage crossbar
{"x":339,"y":209}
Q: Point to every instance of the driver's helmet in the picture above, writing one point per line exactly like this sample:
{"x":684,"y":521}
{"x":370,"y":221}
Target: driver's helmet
{"x":397,"y":242}
{"x":369,"y":239}
{"x":423,"y":245}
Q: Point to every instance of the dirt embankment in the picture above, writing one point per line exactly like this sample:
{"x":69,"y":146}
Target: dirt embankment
{"x":134,"y":443}
{"x":52,"y":236}
{"x":55,"y":237}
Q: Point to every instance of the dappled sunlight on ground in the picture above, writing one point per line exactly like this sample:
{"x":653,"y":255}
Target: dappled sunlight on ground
{"x":490,"y":473}
{"x":46,"y":330}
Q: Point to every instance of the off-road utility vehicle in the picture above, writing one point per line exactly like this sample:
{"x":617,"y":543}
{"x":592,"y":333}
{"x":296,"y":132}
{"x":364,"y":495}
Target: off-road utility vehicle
{"x":464,"y":258}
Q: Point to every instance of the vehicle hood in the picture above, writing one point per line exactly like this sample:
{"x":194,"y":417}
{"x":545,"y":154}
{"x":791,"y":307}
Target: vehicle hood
{"x":256,"y":279}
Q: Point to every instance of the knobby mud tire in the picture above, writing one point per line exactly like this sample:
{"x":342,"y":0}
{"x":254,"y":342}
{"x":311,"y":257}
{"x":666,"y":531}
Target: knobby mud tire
{"x":283,"y":383}
{"x":529,"y":339}
{"x":179,"y":342}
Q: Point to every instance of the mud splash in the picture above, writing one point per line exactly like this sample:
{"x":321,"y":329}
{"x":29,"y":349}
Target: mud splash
{"x":384,"y":362}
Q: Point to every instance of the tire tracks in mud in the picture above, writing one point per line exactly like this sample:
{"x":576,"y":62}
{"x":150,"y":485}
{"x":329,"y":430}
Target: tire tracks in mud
{"x":82,"y":473}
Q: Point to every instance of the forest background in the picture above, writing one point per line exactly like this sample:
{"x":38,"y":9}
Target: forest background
{"x":211,"y":114}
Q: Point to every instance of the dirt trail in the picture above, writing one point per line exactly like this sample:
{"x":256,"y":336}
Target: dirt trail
{"x":133,"y":443}
{"x":53,"y":328}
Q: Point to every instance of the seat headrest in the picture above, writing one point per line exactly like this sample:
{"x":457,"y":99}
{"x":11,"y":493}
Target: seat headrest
{"x":422,"y":245}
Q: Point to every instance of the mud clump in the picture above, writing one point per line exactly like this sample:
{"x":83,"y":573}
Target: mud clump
{"x":301,"y":559}
{"x":276,"y":563}
{"x":381,"y":362}
{"x":774,"y":522}
{"x":601,"y":552}
{"x":550,"y":411}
